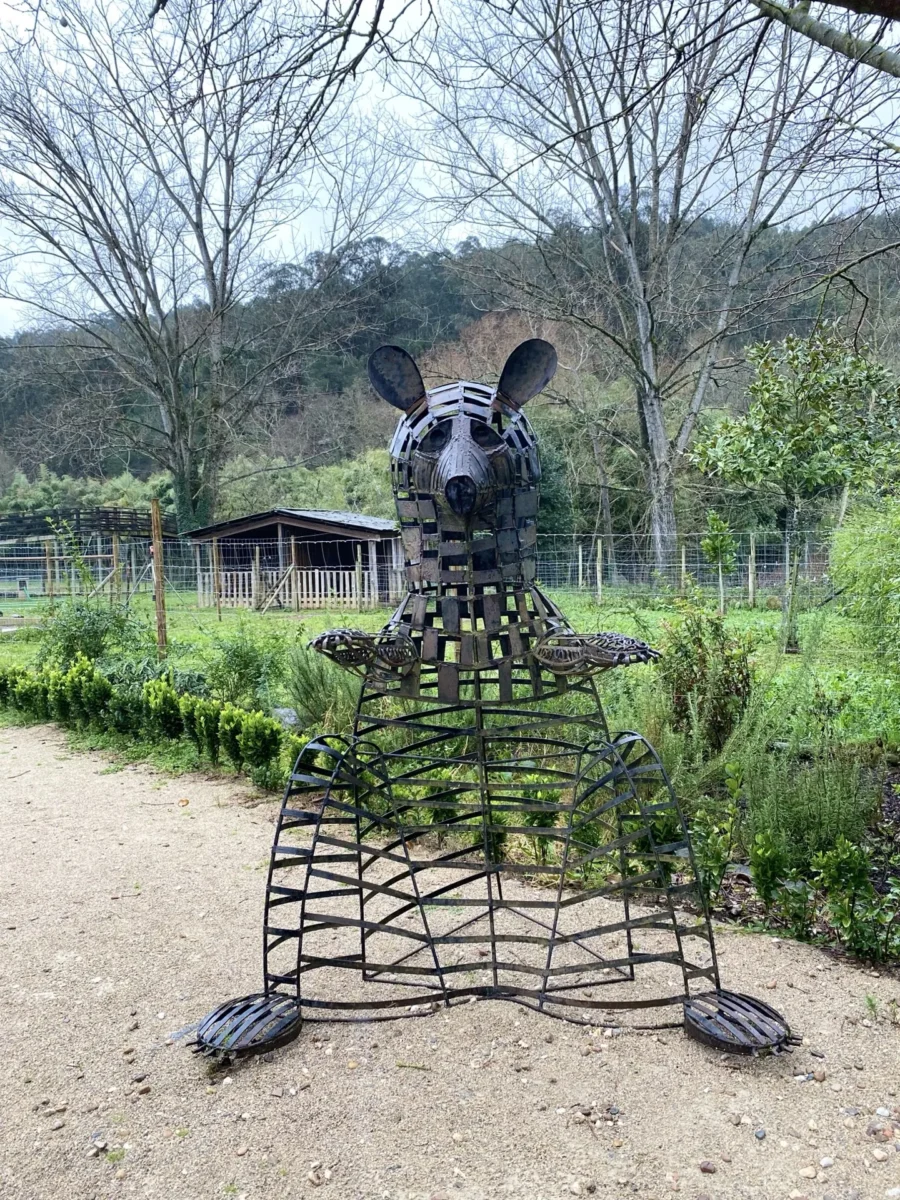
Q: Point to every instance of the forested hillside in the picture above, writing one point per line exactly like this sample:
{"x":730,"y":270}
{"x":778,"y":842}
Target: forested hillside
{"x":315,"y":436}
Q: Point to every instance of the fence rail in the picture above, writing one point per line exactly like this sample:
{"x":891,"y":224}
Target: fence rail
{"x":353,"y":576}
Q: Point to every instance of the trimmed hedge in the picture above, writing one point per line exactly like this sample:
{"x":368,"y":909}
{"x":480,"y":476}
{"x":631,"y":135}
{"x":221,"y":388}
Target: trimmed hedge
{"x":82,"y":697}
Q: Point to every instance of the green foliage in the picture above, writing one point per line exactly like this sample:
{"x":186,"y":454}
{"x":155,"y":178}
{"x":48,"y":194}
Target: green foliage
{"x":807,"y":803}
{"x":768,"y":864}
{"x":260,"y":744}
{"x":706,"y":672}
{"x":187,"y":706}
{"x":231,"y":726}
{"x":48,"y":491}
{"x":868,"y":923}
{"x":207,"y":716}
{"x":866,"y":564}
{"x":821,"y":414}
{"x":714,"y":834}
{"x":163,"y":709}
{"x":323,"y":695}
{"x":81,"y":627}
{"x":243,"y":665}
{"x":718,"y":546}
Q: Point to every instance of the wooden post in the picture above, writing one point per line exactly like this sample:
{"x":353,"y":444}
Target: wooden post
{"x":159,"y":579}
{"x":373,"y":573}
{"x":599,"y":570}
{"x":580,"y":567}
{"x":198,"y":571}
{"x":359,"y":577}
{"x":751,"y":573}
{"x":254,"y":579}
{"x":280,"y":548}
{"x":114,"y":578}
{"x":48,"y":567}
{"x":295,"y":578}
{"x":217,"y":577}
{"x":682,"y":587}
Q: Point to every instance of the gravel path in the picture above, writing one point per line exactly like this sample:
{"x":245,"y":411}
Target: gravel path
{"x":130,"y":905}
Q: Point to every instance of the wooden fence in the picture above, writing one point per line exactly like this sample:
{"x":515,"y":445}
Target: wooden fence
{"x":297,"y":588}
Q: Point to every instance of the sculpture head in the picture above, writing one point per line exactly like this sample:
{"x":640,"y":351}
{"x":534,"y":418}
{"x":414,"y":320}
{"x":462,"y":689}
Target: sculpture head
{"x":464,"y":456}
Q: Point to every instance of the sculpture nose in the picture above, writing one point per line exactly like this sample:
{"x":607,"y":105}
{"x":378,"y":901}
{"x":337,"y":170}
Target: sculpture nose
{"x":461,"y":492}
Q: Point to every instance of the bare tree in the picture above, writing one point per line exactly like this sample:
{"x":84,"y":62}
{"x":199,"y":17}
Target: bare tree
{"x":859,"y":41}
{"x":627,"y":158}
{"x":150,"y":174}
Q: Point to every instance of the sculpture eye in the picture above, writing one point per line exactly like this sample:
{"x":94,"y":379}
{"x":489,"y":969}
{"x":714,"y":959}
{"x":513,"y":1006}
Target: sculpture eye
{"x":435,"y":439}
{"x":485,"y":437}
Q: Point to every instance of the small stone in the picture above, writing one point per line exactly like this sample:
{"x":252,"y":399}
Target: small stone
{"x":133,"y":1026}
{"x":138,"y":1078}
{"x":867,"y":1024}
{"x":618,"y":1143}
{"x":772,"y":984}
{"x":835,"y":1087}
{"x":808,"y":1172}
{"x":128,"y":1050}
{"x":316,"y":1177}
{"x":882,"y":1112}
{"x":892,"y":1193}
{"x":352,"y":1064}
{"x":575,"y":1189}
{"x":759,"y":1134}
{"x":819,"y":1075}
{"x":144,"y":1089}
{"x":241,"y":1151}
{"x":735,"y":1118}
{"x":457,"y":1137}
{"x":57,"y":1125}
{"x":277,"y":1092}
{"x":812,"y":1125}
{"x":825,"y":1163}
{"x":93,"y":1152}
{"x":121,"y":1173}
{"x":849,"y":1123}
{"x":798,"y":1195}
{"x":707,"y":1167}
{"x":879,"y":1155}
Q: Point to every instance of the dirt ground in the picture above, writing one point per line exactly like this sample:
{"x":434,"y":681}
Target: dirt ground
{"x":130,"y":905}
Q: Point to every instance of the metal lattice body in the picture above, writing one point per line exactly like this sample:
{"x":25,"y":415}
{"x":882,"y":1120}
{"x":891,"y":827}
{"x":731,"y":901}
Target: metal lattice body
{"x":481,"y":833}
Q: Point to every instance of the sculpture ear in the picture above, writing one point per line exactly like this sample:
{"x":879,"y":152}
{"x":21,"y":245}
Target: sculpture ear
{"x":528,"y":370}
{"x":395,"y":377}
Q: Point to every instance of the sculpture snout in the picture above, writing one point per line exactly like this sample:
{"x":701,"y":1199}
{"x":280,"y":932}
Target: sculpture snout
{"x":462,"y":477}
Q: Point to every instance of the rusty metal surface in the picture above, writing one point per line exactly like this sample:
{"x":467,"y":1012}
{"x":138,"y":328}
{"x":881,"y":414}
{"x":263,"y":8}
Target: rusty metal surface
{"x":482,"y":833}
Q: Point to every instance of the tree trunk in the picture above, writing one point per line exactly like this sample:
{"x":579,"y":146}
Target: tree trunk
{"x":789,"y":640}
{"x":660,"y":479}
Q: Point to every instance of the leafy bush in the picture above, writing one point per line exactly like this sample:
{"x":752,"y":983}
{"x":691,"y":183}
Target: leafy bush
{"x":79,"y":627}
{"x":806,"y":804}
{"x":29,"y":694}
{"x":231,"y":726}
{"x":768,"y":864}
{"x":125,"y":708}
{"x":867,"y":923}
{"x":706,"y":672}
{"x":866,"y":564}
{"x":260,"y":744}
{"x":245,"y":664}
{"x":163,"y":709}
{"x":323,"y":695}
{"x":207,"y":715}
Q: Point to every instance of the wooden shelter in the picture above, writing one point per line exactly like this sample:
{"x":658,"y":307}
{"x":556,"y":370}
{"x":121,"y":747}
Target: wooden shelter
{"x":298,"y":558}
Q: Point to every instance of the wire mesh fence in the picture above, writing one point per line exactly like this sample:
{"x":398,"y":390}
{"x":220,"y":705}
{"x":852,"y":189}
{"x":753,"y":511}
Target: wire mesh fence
{"x":355,"y":575}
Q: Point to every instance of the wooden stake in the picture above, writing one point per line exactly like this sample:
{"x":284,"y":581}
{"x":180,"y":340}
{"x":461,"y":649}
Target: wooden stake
{"x":48,"y":566}
{"x":198,"y":571}
{"x":295,"y":577}
{"x":159,"y":579}
{"x":114,"y":585}
{"x":217,"y":577}
{"x":254,"y":580}
{"x":373,"y":573}
{"x":359,"y":577}
{"x":751,"y":573}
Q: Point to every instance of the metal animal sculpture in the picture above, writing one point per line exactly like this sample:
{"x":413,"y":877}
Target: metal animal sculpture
{"x":481,"y":834}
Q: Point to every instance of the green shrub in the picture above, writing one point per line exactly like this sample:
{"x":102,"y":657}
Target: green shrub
{"x":231,"y":725}
{"x":29,"y":695}
{"x":125,"y":708}
{"x":866,"y":564}
{"x":867,"y":923}
{"x":260,"y":744}
{"x":768,"y":864}
{"x":78,"y":690}
{"x":187,"y":705}
{"x":80,"y":628}
{"x":162,"y":707}
{"x":705,"y":670}
{"x":323,"y":695}
{"x":715,"y":830}
{"x":8,"y":679}
{"x":207,"y":715}
{"x":807,"y":802}
{"x":244,"y":665}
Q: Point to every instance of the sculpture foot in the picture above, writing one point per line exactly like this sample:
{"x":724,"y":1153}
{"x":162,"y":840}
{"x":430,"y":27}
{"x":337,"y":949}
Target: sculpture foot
{"x":249,"y":1025}
{"x":738,"y":1024}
